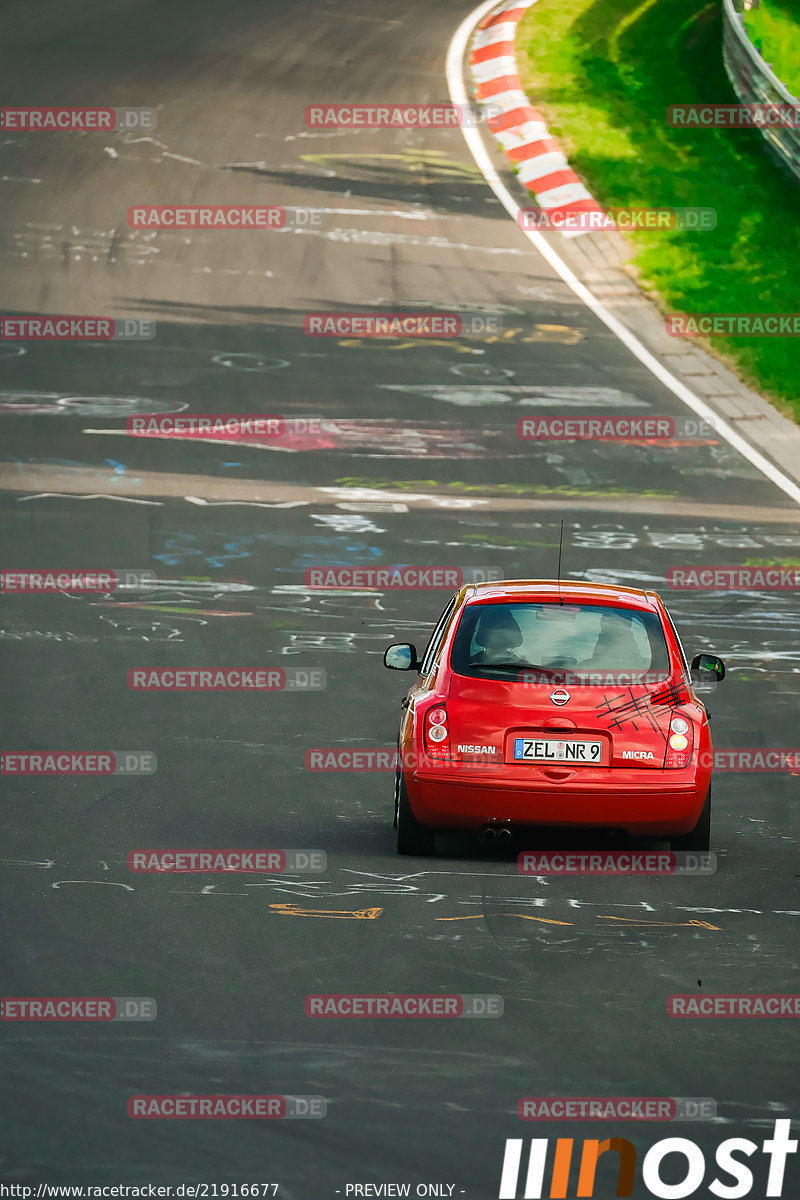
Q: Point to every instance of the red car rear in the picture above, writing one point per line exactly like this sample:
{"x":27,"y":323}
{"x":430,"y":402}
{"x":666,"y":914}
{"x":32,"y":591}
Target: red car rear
{"x":560,"y":704}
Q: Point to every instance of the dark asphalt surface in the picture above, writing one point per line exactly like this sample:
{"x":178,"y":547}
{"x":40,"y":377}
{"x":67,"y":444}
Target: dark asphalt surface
{"x":437,"y":477}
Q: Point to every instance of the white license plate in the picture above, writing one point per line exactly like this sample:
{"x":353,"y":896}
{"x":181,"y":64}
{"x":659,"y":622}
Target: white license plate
{"x":555,"y":750}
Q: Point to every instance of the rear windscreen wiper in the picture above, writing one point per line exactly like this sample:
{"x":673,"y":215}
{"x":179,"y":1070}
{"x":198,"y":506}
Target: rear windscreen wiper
{"x":507,"y":666}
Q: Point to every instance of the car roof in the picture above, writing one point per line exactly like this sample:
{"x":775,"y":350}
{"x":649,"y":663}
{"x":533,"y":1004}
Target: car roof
{"x":521,"y":590}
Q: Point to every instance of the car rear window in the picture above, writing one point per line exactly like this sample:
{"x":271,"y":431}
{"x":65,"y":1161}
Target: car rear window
{"x":492,"y":640}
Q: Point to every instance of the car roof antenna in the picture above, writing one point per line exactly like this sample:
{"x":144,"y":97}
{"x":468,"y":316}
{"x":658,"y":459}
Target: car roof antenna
{"x":560,"y":545}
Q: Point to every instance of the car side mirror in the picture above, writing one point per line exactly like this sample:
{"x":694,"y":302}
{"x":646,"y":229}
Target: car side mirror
{"x":707,"y":668}
{"x":402,"y":657}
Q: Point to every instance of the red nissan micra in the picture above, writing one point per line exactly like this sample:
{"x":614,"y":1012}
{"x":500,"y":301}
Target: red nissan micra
{"x":541,"y":702}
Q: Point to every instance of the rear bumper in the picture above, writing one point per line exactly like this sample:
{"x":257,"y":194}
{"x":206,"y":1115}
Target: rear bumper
{"x":643,"y":802}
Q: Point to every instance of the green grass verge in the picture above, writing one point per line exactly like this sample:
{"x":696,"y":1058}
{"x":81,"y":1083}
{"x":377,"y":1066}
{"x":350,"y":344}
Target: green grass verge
{"x":603,"y":74}
{"x":774,"y":29}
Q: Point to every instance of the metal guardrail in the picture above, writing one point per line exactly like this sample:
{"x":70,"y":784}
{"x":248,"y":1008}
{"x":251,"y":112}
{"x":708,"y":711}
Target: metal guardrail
{"x":755,"y":83}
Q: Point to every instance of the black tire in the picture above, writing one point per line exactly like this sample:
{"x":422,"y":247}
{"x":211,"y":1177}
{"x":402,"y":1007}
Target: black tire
{"x":412,"y":837}
{"x":397,"y":778}
{"x":699,"y":838}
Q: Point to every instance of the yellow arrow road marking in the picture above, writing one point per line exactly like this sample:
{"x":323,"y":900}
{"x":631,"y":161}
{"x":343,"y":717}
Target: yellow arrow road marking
{"x":389,"y":344}
{"x":523,"y":916}
{"x":294,"y":910}
{"x":565,"y":335}
{"x":671,"y":924}
{"x":624,"y":920}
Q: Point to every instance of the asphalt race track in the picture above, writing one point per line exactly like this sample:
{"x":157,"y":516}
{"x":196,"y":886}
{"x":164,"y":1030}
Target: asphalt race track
{"x":426,"y":469}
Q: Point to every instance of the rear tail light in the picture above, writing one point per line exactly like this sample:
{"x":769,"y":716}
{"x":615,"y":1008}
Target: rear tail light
{"x":680,"y":743}
{"x":437,"y":734}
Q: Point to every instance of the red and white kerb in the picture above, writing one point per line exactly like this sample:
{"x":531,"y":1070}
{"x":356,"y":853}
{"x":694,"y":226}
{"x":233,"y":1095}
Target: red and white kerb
{"x":520,"y":128}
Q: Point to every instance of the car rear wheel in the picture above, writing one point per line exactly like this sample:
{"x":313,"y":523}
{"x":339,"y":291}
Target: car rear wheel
{"x":412,"y":837}
{"x":698,"y":838}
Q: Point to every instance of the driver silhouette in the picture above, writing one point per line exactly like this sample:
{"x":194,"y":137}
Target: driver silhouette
{"x":498,"y":634}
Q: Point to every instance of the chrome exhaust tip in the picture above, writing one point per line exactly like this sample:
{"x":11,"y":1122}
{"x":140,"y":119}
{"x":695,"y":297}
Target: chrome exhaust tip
{"x":504,"y":834}
{"x":489,"y":833}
